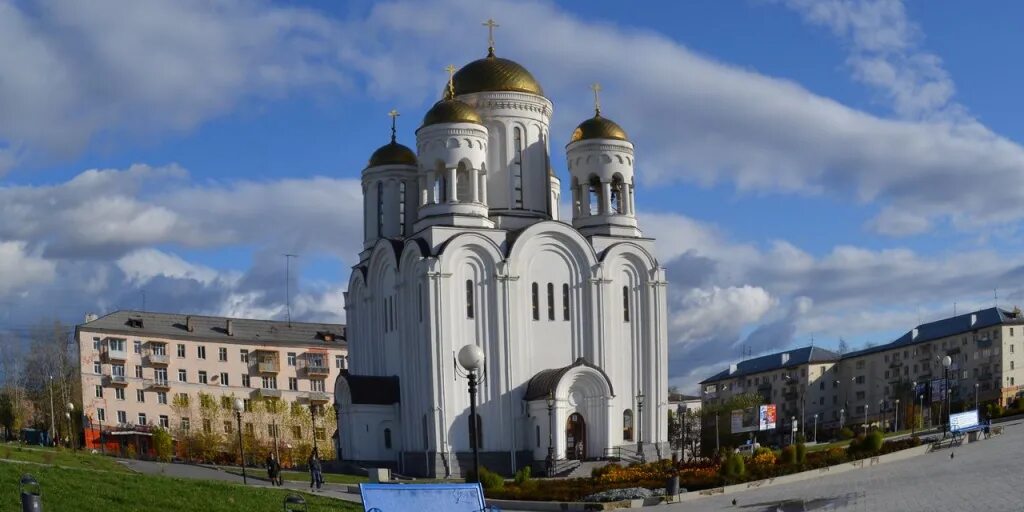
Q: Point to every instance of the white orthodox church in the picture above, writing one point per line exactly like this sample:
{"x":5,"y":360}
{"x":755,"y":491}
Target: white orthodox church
{"x":464,"y":245}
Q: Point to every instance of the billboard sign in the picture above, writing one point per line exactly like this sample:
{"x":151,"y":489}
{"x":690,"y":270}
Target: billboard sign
{"x":963,"y":420}
{"x":753,"y":419}
{"x":938,"y":389}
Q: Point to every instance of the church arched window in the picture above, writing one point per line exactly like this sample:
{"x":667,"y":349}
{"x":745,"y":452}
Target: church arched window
{"x":538,"y":435}
{"x":594,"y":195}
{"x":617,"y":189}
{"x":627,"y":425}
{"x":469,"y":298}
{"x":625,"y":303}
{"x":565,"y":302}
{"x":380,"y":209}
{"x":551,"y":301}
{"x":442,"y":186}
{"x":401,"y":208}
{"x":517,"y":167}
{"x":387,"y":439}
{"x":535,"y":297}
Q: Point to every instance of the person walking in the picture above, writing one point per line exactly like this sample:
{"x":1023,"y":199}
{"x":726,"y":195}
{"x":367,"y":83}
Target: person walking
{"x":274,"y":470}
{"x":316,"y":476}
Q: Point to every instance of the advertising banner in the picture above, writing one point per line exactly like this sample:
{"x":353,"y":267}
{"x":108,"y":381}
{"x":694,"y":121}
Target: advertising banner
{"x":963,"y":421}
{"x":938,"y":389}
{"x":744,"y":420}
{"x":767,"y":415}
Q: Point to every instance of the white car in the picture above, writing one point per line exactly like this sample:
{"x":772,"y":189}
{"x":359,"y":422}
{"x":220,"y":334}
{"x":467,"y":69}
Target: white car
{"x":747,"y":450}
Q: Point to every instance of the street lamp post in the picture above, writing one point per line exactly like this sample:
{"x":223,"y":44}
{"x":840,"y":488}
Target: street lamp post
{"x":921,"y":400}
{"x":681,"y":418}
{"x":881,"y":414}
{"x":103,"y":446}
{"x":53,"y":421}
{"x":550,"y":461}
{"x":896,"y":417}
{"x":913,"y":413}
{"x":471,"y":357}
{"x":640,"y":426}
{"x":238,"y":406}
{"x":815,"y":428}
{"x":975,"y":396}
{"x":842,"y":418}
{"x":946,"y":363}
{"x":312,"y":419}
{"x":71,"y":428}
{"x":865,"y":419}
{"x":792,"y":430}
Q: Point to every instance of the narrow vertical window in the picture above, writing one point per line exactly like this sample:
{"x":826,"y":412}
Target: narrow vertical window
{"x":551,"y":301}
{"x":401,"y":208}
{"x":380,"y":209}
{"x":625,"y":303}
{"x":419,"y":297}
{"x":469,"y":298}
{"x":536,"y":302}
{"x":517,"y":167}
{"x":565,"y":302}
{"x":387,"y":439}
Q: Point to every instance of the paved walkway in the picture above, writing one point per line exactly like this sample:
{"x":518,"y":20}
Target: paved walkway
{"x":982,"y":476}
{"x":256,"y":478}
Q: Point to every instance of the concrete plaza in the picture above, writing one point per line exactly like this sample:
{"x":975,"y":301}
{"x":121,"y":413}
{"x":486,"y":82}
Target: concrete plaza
{"x":982,"y":476}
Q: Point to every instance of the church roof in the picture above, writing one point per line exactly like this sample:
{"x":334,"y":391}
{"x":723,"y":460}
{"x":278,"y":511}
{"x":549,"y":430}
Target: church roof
{"x":372,"y":390}
{"x":392,"y":153}
{"x":545,"y":381}
{"x":493,"y":73}
{"x":450,"y":110}
{"x":598,"y":127}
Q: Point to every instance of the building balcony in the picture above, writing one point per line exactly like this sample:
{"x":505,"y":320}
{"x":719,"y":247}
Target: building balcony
{"x":318,"y":397}
{"x":157,"y":359}
{"x":115,"y":380}
{"x":156,"y":384}
{"x":314,"y":370}
{"x":115,"y":355}
{"x":268,"y":366}
{"x":266,"y":393}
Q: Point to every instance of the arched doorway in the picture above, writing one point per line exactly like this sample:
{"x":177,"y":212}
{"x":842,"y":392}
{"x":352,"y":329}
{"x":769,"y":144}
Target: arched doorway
{"x":575,"y":437}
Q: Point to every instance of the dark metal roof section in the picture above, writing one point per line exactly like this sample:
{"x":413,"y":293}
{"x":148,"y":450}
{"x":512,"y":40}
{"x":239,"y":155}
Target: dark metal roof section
{"x":372,"y":390}
{"x":545,"y":381}
{"x":772,"y":362}
{"x":141,"y":324}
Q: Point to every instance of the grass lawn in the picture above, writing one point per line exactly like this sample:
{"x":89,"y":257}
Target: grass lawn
{"x":846,"y":443}
{"x":100,"y":491}
{"x":59,"y":457}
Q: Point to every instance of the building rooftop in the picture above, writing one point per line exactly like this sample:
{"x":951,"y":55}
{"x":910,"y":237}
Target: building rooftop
{"x":923,"y":333}
{"x":214,"y":328}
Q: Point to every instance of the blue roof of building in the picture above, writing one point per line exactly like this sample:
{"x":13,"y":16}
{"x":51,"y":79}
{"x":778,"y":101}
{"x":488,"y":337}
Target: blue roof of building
{"x":924,"y":333}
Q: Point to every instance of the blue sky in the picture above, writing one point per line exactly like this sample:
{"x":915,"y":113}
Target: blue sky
{"x":825,"y":169}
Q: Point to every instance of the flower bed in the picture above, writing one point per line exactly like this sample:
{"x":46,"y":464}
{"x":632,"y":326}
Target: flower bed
{"x":694,"y":475}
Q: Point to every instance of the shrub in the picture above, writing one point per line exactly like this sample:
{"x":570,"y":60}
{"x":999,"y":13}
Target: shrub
{"x":734,"y":467}
{"x":835,"y":455}
{"x":762,"y":450}
{"x":523,"y":475}
{"x":800,"y":438}
{"x":873,"y":442}
{"x":845,"y":433}
{"x":489,"y":480}
{"x":764,"y":457}
{"x":163,"y":445}
{"x":789,"y":455}
{"x":801,"y":453}
{"x":130,"y":452}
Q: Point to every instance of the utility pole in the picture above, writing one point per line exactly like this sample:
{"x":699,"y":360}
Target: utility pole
{"x":53,"y":424}
{"x":288,"y":285}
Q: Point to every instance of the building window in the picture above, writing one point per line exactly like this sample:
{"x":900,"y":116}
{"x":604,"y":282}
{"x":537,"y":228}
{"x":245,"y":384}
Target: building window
{"x":538,"y":435}
{"x":469,"y":298}
{"x":291,"y":358}
{"x":272,"y":430}
{"x":119,"y":393}
{"x":201,"y":352}
{"x":535,"y":297}
{"x":160,"y":375}
{"x":859,"y":379}
{"x":565,"y":302}
{"x":117,"y":370}
{"x":182,"y":375}
{"x":387,"y":439}
{"x":137,"y":345}
{"x":142,"y":418}
{"x":165,"y":422}
{"x":181,"y":350}
{"x":138,"y":371}
{"x":202,"y":376}
{"x":339,"y":362}
{"x":401,"y":208}
{"x":551,"y":301}
{"x":517,"y":167}
{"x":625,"y":303}
{"x":229,"y":428}
{"x":101,"y":414}
{"x":269,"y":382}
{"x":186,"y":424}
{"x":161,"y":397}
{"x":122,"y":417}
{"x":316,"y":385}
{"x":293,"y":384}
{"x":224,"y":379}
{"x":320,"y":433}
{"x":296,"y":432}
{"x":627,"y":425}
{"x":246,"y":405}
{"x":99,"y":391}
{"x":245,"y":381}
{"x":380,"y":209}
{"x":181,"y":399}
{"x":97,"y":368}
{"x":140,"y":395}
{"x":1011,"y":365}
{"x":222,"y":354}
{"x":96,"y":343}
{"x":244,"y":355}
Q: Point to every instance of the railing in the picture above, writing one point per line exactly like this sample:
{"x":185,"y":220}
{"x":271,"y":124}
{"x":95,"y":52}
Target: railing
{"x":115,"y":380}
{"x":268,"y":366}
{"x":317,"y":370}
{"x":267,"y":393}
{"x":157,"y":359}
{"x":116,"y":355}
{"x":156,"y":384}
{"x":622,"y":453}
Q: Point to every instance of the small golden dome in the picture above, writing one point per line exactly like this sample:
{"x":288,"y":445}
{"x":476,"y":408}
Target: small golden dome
{"x":598,"y":127}
{"x":451,"y":111}
{"x":495,"y":74}
{"x":392,"y":153}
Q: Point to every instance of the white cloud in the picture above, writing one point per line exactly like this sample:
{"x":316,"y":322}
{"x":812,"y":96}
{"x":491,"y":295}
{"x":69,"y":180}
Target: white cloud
{"x":142,"y":265}
{"x":20,"y":269}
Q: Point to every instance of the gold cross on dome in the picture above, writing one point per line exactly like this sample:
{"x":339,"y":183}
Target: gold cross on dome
{"x":394,"y":118}
{"x":451,"y":80}
{"x":596,"y":87}
{"x":491,"y":25}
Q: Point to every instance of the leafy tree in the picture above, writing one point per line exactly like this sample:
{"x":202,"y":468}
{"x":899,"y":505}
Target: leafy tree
{"x":163,"y":444}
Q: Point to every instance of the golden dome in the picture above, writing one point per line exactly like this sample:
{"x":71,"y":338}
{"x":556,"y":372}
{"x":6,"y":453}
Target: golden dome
{"x":451,"y":111}
{"x":495,"y":74}
{"x":392,"y":153}
{"x":598,"y":127}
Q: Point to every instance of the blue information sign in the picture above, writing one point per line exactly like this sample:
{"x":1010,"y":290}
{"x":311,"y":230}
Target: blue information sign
{"x":422,"y":497}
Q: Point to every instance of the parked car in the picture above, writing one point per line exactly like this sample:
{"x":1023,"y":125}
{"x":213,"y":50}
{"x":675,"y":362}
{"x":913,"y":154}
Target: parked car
{"x":748,"y":450}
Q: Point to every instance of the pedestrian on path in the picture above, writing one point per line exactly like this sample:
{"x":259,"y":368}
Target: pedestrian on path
{"x":316,"y":475}
{"x":274,"y":470}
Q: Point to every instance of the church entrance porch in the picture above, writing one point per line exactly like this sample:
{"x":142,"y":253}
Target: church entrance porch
{"x":575,"y":437}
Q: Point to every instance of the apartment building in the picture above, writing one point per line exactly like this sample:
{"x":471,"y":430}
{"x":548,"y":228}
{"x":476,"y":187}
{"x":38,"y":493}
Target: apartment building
{"x":139,"y":368}
{"x":906,"y":375}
